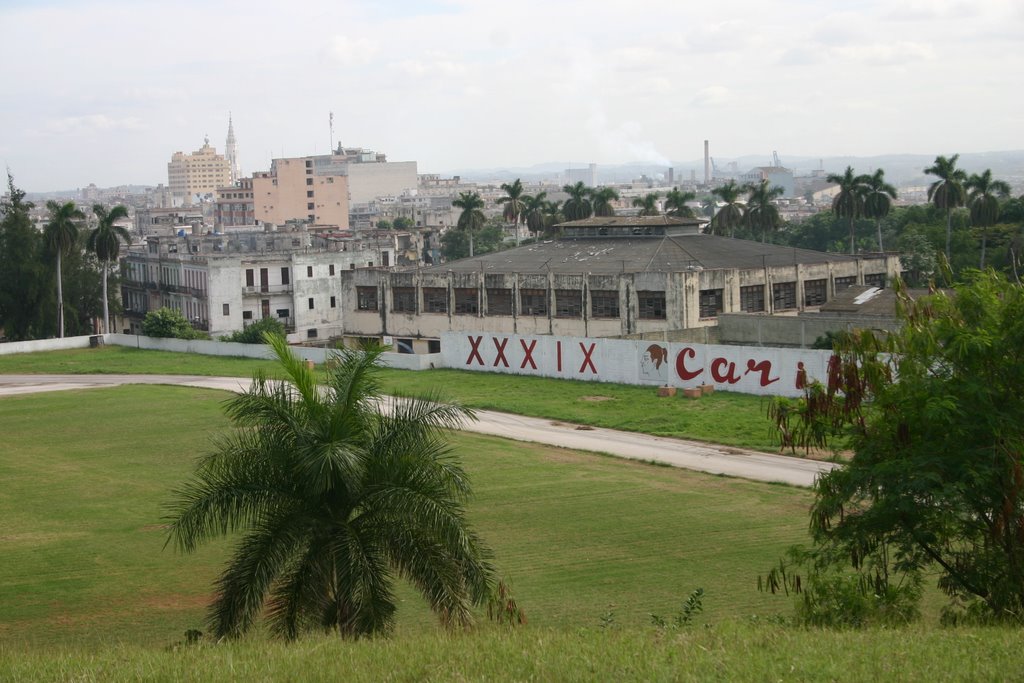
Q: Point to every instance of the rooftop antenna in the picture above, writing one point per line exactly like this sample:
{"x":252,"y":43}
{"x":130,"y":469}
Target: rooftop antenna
{"x":330,"y":123}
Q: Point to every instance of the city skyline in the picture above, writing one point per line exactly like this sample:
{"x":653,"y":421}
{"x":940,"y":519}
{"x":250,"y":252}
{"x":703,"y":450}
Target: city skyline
{"x":112,"y":89}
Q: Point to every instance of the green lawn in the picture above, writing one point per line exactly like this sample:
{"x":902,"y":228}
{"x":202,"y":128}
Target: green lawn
{"x":120,"y":360}
{"x":578,"y":535}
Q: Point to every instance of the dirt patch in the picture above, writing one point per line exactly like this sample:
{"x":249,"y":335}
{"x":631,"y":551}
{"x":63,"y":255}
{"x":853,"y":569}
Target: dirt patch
{"x":154,"y":527}
{"x":595,"y":399}
{"x":584,"y":428}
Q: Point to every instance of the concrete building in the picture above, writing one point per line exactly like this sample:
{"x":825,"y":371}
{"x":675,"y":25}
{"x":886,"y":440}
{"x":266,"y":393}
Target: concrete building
{"x":293,"y":190}
{"x":198,"y":173}
{"x":370,"y":174}
{"x":608,"y":277}
{"x":775,"y":175}
{"x":235,"y":206}
{"x":587,"y":176}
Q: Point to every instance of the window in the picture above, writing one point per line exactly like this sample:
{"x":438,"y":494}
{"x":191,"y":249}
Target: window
{"x":227,"y":309}
{"x":533,"y":301}
{"x":311,"y":333}
{"x":752,"y":299}
{"x":433,"y":346}
{"x":844,"y":282}
{"x":710,"y":303}
{"x":875,"y":280}
{"x":309,"y":193}
{"x":285,"y":276}
{"x":435,"y":300}
{"x":466,"y":302}
{"x":815,"y":292}
{"x":404,"y":300}
{"x":330,"y":269}
{"x":499,"y":302}
{"x":404,"y":345}
{"x":309,"y":271}
{"x":351,"y":266}
{"x":246,"y":315}
{"x":333,"y":302}
{"x":366,"y":298}
{"x":568,"y":303}
{"x":309,"y":181}
{"x":309,"y":163}
{"x":311,"y":303}
{"x":604,"y":303}
{"x":282,"y":312}
{"x":783,"y":295}
{"x":309,"y":206}
{"x":651,"y":305}
{"x":249,"y":279}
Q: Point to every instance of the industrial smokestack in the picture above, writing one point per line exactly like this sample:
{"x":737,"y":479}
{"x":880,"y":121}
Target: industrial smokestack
{"x":707,"y":163}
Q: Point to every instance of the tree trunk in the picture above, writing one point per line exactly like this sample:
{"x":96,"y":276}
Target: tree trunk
{"x":853,"y":248}
{"x":470,"y":243}
{"x":60,"y":301}
{"x":878,"y":226}
{"x":106,"y":312}
{"x":949,"y":229}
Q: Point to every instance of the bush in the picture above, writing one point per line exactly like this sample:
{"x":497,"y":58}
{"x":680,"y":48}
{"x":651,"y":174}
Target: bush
{"x":253,"y":334}
{"x":169,"y":322}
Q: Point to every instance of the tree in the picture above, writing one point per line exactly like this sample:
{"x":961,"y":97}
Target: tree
{"x":403,"y":223}
{"x":490,"y":238}
{"x":602,"y":198}
{"x":472,"y":217}
{"x":675,"y":203}
{"x":168,"y":322}
{"x":105,"y":242}
{"x":878,"y":196}
{"x":849,"y":201}
{"x":984,"y":194}
{"x":552,"y":215}
{"x":577,"y":206}
{"x":762,"y":214}
{"x":254,"y":333}
{"x":515,"y":207}
{"x":61,"y":235}
{"x":383,"y":224}
{"x":648,"y":204}
{"x":535,"y":212}
{"x":23,"y":280}
{"x":732,"y":214}
{"x":947,"y":192}
{"x":335,"y":496}
{"x":936,"y":481}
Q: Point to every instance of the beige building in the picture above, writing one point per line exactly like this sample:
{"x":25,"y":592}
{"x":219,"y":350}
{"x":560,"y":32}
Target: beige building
{"x":198,"y":173}
{"x":293,"y":190}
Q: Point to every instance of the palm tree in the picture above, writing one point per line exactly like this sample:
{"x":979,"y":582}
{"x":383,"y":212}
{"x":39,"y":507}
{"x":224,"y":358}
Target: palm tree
{"x":61,"y":235}
{"x":648,"y":204}
{"x":472,"y":217}
{"x":105,"y":242}
{"x":335,"y":496}
{"x":577,"y":206}
{"x":602,"y":198}
{"x":761,"y":210}
{"x":535,"y":212}
{"x":983,"y":200}
{"x":849,"y":201}
{"x":514,"y":205}
{"x":732,"y":215}
{"x":948,"y":191}
{"x":552,"y":215}
{"x":675,"y":203}
{"x":878,"y":196}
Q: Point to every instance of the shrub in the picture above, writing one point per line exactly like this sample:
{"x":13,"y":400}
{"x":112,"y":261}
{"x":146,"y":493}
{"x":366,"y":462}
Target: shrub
{"x":253,"y":334}
{"x":169,"y":322}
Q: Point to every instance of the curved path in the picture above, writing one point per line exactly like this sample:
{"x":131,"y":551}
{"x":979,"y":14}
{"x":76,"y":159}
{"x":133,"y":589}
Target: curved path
{"x":693,"y":455}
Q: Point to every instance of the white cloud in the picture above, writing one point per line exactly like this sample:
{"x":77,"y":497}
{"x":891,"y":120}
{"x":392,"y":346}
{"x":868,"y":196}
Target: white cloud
{"x":352,"y":51}
{"x":712,"y":96}
{"x":89,"y":124}
{"x":887,"y":54}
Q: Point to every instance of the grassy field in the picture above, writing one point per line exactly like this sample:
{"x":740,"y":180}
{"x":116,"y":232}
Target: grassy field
{"x":727,"y":418}
{"x":579,"y":536}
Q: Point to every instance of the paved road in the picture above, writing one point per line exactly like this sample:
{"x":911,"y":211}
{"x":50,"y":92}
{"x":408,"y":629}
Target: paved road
{"x":691,"y":455}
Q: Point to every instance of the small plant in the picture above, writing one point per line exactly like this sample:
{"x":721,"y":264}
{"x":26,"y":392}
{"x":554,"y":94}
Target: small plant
{"x":503,"y":608}
{"x":608,"y":619}
{"x":693,"y":606}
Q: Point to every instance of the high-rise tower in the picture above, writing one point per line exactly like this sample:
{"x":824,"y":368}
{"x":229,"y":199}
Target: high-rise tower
{"x":231,"y":152}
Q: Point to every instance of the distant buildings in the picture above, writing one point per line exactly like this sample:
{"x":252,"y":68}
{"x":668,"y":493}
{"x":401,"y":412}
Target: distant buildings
{"x":198,"y":173}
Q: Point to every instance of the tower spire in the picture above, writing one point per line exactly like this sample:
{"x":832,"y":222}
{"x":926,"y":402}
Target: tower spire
{"x":231,"y":151}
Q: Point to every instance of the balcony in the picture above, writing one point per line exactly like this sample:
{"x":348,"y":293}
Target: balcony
{"x":261,"y":290}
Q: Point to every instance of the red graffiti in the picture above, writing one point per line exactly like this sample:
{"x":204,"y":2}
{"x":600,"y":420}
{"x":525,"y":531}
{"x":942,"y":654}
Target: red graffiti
{"x":499,"y":346}
{"x":729,"y":377}
{"x":528,"y":353}
{"x":764,"y":368}
{"x":475,"y":353}
{"x":684,"y":373}
{"x":587,"y":360}
{"x":801,"y":376}
{"x":558,"y":348}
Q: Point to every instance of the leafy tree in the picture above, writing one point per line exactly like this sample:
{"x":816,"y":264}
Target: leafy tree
{"x":256,"y":332}
{"x":983,"y":201}
{"x":23,"y":278}
{"x":577,"y":206}
{"x":947,"y":192}
{"x":878,"y":196}
{"x":602,"y":198}
{"x":335,"y":498}
{"x":732,"y":214}
{"x":472,"y":217}
{"x":535,"y":212}
{"x":849,"y":201}
{"x":383,"y":224}
{"x":105,"y":241}
{"x":61,"y":235}
{"x":762,"y":214}
{"x":515,"y":207}
{"x":675,"y":203}
{"x":490,"y":238}
{"x":552,"y":215}
{"x":403,"y":223}
{"x":648,"y":204}
{"x":168,"y":322}
{"x":936,"y":482}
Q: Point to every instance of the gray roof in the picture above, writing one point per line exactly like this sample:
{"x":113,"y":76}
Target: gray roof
{"x":671,"y":253}
{"x":631,"y":221}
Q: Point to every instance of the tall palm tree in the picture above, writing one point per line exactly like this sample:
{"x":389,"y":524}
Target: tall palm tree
{"x":335,"y":496}
{"x":761,"y":210}
{"x":105,"y":241}
{"x":675,"y":203}
{"x":849,"y":201}
{"x":948,"y":191}
{"x":553,"y":215}
{"x":61,"y":234}
{"x":878,"y":196}
{"x":648,"y":204}
{"x":534,"y":212}
{"x":577,"y":206}
{"x":732,"y":214}
{"x":472,"y":217}
{"x":602,"y":198}
{"x":984,"y":194}
{"x":515,"y":208}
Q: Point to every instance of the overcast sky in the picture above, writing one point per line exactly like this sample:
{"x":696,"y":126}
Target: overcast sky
{"x":105,"y":92}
